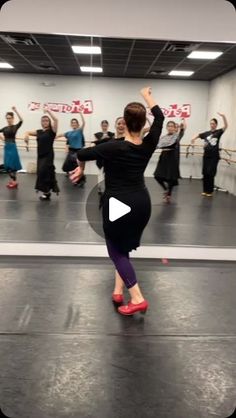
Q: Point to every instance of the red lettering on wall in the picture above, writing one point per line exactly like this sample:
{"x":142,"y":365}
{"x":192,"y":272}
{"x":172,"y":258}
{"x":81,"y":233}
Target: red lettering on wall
{"x":176,"y":111}
{"x":77,"y":106}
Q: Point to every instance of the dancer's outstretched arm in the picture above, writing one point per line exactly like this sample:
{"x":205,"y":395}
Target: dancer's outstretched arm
{"x":54,"y":120}
{"x":83,"y":121}
{"x":225,"y":121}
{"x":17,"y":113}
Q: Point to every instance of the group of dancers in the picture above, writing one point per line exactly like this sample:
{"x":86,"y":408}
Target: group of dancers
{"x":124,"y":156}
{"x":46,"y":178}
{"x":167,"y":172}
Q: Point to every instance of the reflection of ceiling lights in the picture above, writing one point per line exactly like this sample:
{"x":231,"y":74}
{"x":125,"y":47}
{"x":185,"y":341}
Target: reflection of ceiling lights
{"x":94,"y":50}
{"x":6,"y":65}
{"x":91,"y":69}
{"x":205,"y":55}
{"x":178,"y":73}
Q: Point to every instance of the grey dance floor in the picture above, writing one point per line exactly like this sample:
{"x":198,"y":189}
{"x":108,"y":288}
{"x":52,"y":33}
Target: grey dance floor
{"x":189,"y":220}
{"x":65,"y":352}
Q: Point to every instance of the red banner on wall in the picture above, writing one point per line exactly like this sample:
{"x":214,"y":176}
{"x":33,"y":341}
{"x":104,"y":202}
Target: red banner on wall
{"x":77,"y":106}
{"x":176,"y":111}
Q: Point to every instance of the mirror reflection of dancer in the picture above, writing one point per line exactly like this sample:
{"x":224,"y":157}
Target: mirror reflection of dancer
{"x":46,"y":179}
{"x":75,"y":142}
{"x":119,"y":134}
{"x":104,"y":133}
{"x":12,"y":162}
{"x":124,"y":164}
{"x":211,"y":154}
{"x":167,"y":171}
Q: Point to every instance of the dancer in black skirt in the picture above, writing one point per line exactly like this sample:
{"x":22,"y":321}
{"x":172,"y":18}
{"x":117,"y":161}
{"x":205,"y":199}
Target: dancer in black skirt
{"x":211,"y":156}
{"x":124,"y":164}
{"x":12,"y":162}
{"x":46,"y":178}
{"x":167,"y":171}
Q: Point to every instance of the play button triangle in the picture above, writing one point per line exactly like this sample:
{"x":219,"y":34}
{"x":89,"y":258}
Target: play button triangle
{"x":117,"y":209}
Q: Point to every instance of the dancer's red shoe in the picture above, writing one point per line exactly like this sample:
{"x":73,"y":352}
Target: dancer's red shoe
{"x":117,"y":298}
{"x":12,"y":185}
{"x":166,"y":198}
{"x":132,"y":308}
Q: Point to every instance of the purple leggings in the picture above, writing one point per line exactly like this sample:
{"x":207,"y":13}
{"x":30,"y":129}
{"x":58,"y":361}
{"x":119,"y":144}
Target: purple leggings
{"x":123,"y":265}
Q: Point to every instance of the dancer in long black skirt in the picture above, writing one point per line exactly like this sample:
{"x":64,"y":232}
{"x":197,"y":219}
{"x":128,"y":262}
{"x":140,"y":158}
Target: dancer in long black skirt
{"x":211,"y":156}
{"x":167,"y":172}
{"x":12,"y":162}
{"x":46,"y":179}
{"x":124,"y":164}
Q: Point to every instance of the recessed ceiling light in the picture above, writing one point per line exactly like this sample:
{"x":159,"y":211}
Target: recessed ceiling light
{"x":205,"y":55}
{"x":5,"y":65}
{"x":91,"y":69}
{"x":86,"y":49}
{"x":179,"y":73}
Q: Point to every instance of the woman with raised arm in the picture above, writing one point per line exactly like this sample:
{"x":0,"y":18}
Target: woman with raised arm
{"x":75,"y":142}
{"x":46,"y":179}
{"x":167,"y":172}
{"x":12,"y":162}
{"x":125,"y":162}
{"x":211,"y":156}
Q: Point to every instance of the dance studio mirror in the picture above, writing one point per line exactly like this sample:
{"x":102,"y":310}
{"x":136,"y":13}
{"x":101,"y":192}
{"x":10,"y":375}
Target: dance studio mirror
{"x":193,"y":83}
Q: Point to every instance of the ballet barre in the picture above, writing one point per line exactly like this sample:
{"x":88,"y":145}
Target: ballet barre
{"x":193,"y":152}
{"x":32,"y":144}
{"x":61,"y":145}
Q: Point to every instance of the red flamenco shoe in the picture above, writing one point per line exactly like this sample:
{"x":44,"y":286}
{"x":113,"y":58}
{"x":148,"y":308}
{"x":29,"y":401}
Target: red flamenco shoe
{"x":132,"y":308}
{"x":12,"y":185}
{"x":166,"y":198}
{"x":117,"y":298}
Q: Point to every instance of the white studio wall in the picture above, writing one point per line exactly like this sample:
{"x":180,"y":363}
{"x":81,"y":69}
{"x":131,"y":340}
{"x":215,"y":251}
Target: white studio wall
{"x":202,"y":20}
{"x":109,"y":96}
{"x":222,"y":98}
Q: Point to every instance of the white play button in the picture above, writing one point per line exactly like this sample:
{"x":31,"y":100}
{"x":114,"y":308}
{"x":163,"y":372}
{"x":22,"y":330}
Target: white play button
{"x":117,"y":209}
